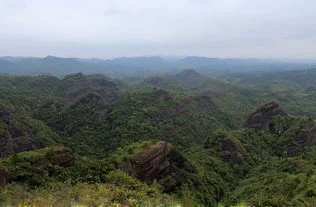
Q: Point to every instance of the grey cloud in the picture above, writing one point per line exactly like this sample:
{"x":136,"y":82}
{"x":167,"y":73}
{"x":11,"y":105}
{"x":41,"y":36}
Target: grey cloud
{"x":98,"y":28}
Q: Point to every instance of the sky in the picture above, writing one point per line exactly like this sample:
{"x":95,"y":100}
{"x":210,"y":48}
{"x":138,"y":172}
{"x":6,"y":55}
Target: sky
{"x":113,"y":28}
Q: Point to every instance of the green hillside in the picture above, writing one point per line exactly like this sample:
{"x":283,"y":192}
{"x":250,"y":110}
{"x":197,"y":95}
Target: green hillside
{"x":171,"y":140}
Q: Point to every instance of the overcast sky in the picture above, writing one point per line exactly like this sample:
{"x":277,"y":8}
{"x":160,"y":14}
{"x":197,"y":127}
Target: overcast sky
{"x":110,"y":28}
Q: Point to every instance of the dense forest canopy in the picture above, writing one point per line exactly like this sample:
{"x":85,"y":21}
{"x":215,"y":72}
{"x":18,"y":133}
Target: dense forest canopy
{"x":174,"y":138}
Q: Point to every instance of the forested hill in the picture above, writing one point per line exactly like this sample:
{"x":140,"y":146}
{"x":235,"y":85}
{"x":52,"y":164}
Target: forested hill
{"x":125,"y":67}
{"x":181,"y":139}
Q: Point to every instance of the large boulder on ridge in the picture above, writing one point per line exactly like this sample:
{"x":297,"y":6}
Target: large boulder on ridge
{"x":262,"y":115}
{"x":161,"y":162}
{"x":61,"y":156}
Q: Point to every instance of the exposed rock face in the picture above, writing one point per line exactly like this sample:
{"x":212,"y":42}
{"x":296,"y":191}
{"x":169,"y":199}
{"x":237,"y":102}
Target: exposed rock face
{"x":229,"y":149}
{"x":231,"y":153}
{"x":77,"y":85}
{"x":18,"y":142}
{"x":301,"y":140}
{"x":162,"y":95}
{"x":4,"y":176}
{"x":17,"y":134}
{"x":262,"y":115}
{"x":62,"y":156}
{"x":313,"y":131}
{"x":160,"y":162}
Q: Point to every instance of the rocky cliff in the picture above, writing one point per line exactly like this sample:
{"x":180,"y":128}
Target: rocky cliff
{"x":229,"y":149}
{"x":4,"y":175}
{"x":262,"y":115}
{"x":76,"y":85}
{"x":20,"y":132}
{"x":301,"y":140}
{"x":61,"y":156}
{"x":161,"y":162}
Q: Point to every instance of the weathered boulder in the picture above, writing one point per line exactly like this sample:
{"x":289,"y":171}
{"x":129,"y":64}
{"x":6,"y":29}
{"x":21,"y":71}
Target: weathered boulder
{"x":4,"y":175}
{"x":161,"y":162}
{"x":260,"y":118}
{"x":61,"y":156}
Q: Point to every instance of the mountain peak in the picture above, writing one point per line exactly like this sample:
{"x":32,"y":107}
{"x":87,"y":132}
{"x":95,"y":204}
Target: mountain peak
{"x":263,"y":113}
{"x":188,"y":74}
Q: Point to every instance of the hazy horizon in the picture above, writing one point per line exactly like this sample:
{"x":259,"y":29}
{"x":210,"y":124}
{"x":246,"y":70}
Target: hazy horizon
{"x":109,"y":29}
{"x":171,"y":58}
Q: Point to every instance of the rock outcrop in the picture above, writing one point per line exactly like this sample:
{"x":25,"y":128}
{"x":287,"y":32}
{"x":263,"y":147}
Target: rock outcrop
{"x":231,"y":153}
{"x":301,"y":140}
{"x":4,"y":175}
{"x":13,"y":144}
{"x":61,"y":156}
{"x":76,"y":85}
{"x":229,"y":149}
{"x":260,"y":118}
{"x":17,"y":132}
{"x":161,"y":162}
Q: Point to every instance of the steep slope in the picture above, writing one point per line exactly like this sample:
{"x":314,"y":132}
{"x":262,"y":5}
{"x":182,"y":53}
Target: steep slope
{"x":295,"y":89}
{"x":159,"y":161}
{"x":236,"y":101}
{"x":182,"y":121}
{"x":278,"y":182}
{"x":260,"y":118}
{"x":36,"y":110}
{"x":19,"y":132}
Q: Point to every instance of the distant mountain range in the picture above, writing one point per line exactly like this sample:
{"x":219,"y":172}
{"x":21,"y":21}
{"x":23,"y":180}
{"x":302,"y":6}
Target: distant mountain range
{"x":143,"y":66}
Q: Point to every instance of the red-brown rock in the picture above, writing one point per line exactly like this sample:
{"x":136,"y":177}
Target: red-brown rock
{"x":160,"y":162}
{"x":61,"y":156}
{"x":262,"y":115}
